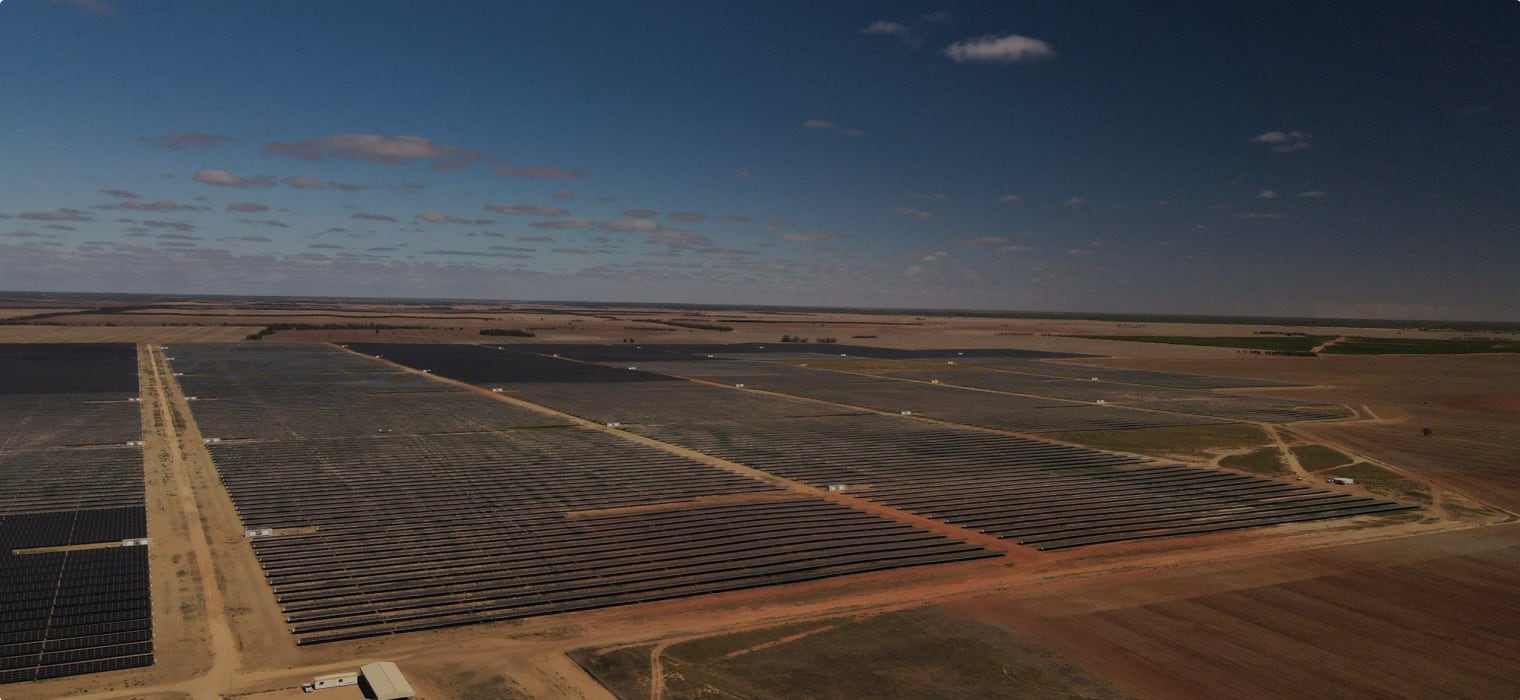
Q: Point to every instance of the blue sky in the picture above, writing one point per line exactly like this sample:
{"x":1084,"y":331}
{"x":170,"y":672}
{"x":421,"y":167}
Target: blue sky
{"x":1329,"y":159}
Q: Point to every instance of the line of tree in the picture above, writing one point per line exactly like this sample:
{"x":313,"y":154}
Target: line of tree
{"x":513,"y":332}
{"x":273,"y":328}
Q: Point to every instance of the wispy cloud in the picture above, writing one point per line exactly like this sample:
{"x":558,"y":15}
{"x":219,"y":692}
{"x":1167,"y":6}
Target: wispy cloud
{"x":1267,"y":194}
{"x":640,"y":213}
{"x":99,"y":8}
{"x":826,"y":125}
{"x":1259,"y":215}
{"x":564,"y":224}
{"x":882,"y":26}
{"x":302,"y":182}
{"x":187,"y":141}
{"x":689,"y":217}
{"x":438,"y":217}
{"x":912,"y":213}
{"x":539,"y":172}
{"x":1008,"y":48}
{"x":247,"y":207}
{"x":527,"y":209}
{"x":1312,"y":194}
{"x":222,"y":178}
{"x":1285,"y":141}
{"x":984,"y":241}
{"x":564,"y":194}
{"x":122,"y":194}
{"x":1074,"y":202}
{"x":366,"y":216}
{"x":812,"y":237}
{"x":375,"y":148}
{"x":161,"y":205}
{"x":936,"y":196}
{"x":55,"y":215}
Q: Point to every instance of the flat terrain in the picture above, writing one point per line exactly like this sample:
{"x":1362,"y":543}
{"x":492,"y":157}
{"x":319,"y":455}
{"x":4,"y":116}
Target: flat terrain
{"x":1411,"y":603}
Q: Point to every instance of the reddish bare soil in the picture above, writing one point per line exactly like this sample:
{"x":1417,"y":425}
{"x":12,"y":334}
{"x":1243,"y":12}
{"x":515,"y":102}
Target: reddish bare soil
{"x":1428,"y":616}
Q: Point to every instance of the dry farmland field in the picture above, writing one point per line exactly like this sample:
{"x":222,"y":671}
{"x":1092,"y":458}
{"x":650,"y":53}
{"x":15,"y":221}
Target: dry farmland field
{"x":211,"y":498}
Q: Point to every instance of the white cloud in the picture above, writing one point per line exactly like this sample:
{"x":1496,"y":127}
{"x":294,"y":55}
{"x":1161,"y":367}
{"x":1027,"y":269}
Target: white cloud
{"x":1074,"y":202}
{"x":985,"y":240}
{"x":812,"y":237}
{"x":910,"y":212}
{"x":1312,"y":194}
{"x":941,"y":17}
{"x":818,"y":124}
{"x":1004,"y":250}
{"x":1009,"y":199}
{"x":1285,"y":141}
{"x":912,"y":271}
{"x":1267,"y":194}
{"x":222,"y":178}
{"x":1010,"y":48}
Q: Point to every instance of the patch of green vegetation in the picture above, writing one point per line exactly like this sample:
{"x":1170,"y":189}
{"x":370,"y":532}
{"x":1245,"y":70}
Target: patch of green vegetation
{"x":623,"y":672}
{"x":1319,"y":458}
{"x":1185,"y":441}
{"x":1384,"y":482}
{"x":1421,"y":346}
{"x":1267,"y":460}
{"x":919,"y":653}
{"x":1270,"y":343}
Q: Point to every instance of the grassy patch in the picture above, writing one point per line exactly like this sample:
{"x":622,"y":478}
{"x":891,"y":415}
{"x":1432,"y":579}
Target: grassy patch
{"x":1421,"y":346}
{"x":1185,"y":441}
{"x":1267,"y":460}
{"x":1267,"y":342}
{"x":624,"y":672}
{"x":469,"y":685}
{"x":1384,"y":482}
{"x":1319,"y":458}
{"x":918,"y":653}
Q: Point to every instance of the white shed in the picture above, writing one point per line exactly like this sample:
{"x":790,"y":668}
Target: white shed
{"x":385,"y":681}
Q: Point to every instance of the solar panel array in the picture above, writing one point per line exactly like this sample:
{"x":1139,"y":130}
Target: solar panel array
{"x":1039,"y":493}
{"x":1024,"y":414}
{"x":411,"y":529}
{"x":72,"y":600}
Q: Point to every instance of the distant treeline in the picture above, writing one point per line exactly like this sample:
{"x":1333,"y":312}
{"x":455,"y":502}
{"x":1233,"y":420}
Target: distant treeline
{"x":513,"y":332}
{"x":273,"y":328}
{"x":688,"y":324}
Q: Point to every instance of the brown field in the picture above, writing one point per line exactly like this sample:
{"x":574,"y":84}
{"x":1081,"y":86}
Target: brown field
{"x":123,"y":334}
{"x":1421,"y":604}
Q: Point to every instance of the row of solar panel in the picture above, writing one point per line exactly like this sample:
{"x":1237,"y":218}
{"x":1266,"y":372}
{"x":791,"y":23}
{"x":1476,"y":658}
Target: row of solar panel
{"x":78,"y":667}
{"x":58,"y":529}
